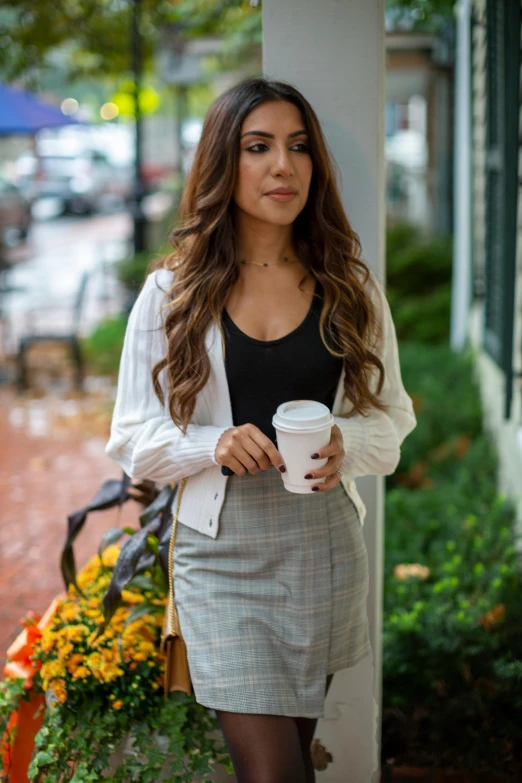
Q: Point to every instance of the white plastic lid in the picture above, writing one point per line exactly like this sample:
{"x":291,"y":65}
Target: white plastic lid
{"x":302,"y":416}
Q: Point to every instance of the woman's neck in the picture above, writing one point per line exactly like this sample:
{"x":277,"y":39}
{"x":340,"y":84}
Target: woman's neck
{"x":263,"y":243}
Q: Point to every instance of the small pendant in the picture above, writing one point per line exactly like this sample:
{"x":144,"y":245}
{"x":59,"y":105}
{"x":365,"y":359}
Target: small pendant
{"x":265,"y":264}
{"x":243,"y":261}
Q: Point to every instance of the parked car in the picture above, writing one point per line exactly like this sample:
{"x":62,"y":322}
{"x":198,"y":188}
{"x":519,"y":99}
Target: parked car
{"x":85,"y":181}
{"x":15,"y":214}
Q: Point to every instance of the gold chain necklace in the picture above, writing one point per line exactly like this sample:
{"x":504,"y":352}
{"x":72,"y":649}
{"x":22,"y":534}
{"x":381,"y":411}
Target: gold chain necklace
{"x":256,"y":263}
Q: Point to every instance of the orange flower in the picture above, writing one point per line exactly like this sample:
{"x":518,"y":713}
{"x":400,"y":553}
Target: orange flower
{"x":59,"y":690}
{"x":117,"y":705}
{"x":493,"y":617}
{"x":80,"y":673}
{"x":405,"y":570}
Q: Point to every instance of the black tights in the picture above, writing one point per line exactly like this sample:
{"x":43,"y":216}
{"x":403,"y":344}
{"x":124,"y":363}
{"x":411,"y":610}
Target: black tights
{"x":269,"y":748}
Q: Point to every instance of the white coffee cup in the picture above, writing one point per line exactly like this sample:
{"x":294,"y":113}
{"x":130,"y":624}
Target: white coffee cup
{"x":302,"y":427}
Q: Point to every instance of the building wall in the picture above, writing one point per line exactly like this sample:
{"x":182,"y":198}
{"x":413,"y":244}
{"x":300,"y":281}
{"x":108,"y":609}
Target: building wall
{"x":478,"y":76}
{"x":334,"y":52}
{"x":506,"y":434}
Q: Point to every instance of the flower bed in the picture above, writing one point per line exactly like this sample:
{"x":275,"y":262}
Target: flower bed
{"x":96,"y":657}
{"x":452,"y":645}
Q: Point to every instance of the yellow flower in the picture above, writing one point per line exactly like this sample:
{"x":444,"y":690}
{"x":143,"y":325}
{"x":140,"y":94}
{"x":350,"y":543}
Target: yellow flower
{"x":110,"y":556}
{"x":94,"y":661}
{"x":47,"y":640}
{"x":131,"y":598}
{"x":73,"y":662}
{"x":75,"y":633}
{"x":69,"y":612}
{"x":118,"y":704}
{"x":52,"y":669}
{"x":81,"y":673}
{"x":64,"y":649}
{"x":94,"y":614}
{"x":59,"y":690}
{"x":86,"y":577}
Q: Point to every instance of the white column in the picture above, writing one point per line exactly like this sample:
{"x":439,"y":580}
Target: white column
{"x":461,"y":281}
{"x":334,"y":53}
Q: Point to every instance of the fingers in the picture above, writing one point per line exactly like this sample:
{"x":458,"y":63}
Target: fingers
{"x":327,"y":470}
{"x":242,"y":464}
{"x":246,"y":449}
{"x":334,"y":447}
{"x":331,"y":481}
{"x":268,"y":449}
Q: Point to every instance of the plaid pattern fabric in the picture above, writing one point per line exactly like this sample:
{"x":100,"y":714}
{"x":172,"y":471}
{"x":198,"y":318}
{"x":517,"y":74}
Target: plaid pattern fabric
{"x":276,"y":601}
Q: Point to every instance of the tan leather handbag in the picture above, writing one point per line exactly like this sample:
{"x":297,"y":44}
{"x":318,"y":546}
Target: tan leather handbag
{"x":177,"y":674}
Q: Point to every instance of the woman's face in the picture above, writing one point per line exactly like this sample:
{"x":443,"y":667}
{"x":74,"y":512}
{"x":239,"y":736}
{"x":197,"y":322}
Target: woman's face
{"x":273,"y":155}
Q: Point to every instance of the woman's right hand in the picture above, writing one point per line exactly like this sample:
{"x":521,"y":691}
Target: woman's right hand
{"x":246,"y":449}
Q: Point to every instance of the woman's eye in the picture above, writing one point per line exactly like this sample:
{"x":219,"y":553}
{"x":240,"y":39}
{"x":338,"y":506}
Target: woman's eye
{"x":256,"y":147}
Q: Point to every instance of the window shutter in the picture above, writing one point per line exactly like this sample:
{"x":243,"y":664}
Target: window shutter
{"x":502,"y":79}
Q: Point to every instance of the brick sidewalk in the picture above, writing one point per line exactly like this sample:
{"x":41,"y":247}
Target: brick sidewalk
{"x":52,"y":461}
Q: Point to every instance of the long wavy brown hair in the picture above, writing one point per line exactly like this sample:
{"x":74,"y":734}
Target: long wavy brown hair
{"x":204,"y":260}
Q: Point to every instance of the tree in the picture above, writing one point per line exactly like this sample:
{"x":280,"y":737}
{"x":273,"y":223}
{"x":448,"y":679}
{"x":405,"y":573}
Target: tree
{"x":419,"y":15}
{"x":94,"y":34}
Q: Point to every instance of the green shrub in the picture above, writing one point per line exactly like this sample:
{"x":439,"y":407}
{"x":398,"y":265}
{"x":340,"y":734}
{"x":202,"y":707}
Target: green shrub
{"x":447,"y":403}
{"x":452,"y":638}
{"x":418,"y":284}
{"x":103,"y":347}
{"x":131,"y":272}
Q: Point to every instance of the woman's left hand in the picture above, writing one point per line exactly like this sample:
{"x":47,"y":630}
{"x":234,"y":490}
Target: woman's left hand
{"x":335,"y":453}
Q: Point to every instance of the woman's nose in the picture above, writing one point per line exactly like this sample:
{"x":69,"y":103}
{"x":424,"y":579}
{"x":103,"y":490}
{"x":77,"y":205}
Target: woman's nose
{"x":283,"y":164}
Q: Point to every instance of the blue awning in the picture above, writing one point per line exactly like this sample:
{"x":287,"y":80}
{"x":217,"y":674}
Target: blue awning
{"x":24,"y":112}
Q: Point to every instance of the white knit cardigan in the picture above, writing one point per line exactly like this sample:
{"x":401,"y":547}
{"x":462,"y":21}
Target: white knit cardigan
{"x":147,"y":444}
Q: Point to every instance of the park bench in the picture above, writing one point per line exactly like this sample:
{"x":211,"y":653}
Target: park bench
{"x":46,"y":331}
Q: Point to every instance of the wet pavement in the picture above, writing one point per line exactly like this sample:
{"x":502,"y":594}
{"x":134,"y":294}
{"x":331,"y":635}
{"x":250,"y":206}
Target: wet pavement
{"x":45,"y":273}
{"x":52,"y":462}
{"x":52,"y":458}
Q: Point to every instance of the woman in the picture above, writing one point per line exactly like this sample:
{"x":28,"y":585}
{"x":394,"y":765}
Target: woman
{"x":264,"y":300}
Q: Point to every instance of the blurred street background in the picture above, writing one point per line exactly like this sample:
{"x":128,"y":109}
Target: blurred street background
{"x":98,"y":128}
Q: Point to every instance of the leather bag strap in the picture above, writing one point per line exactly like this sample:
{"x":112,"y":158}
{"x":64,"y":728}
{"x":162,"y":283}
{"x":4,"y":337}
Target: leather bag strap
{"x":174,"y":620}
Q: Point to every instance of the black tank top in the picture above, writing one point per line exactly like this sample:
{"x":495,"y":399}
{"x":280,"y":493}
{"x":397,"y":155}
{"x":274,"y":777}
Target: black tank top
{"x":262,"y":374}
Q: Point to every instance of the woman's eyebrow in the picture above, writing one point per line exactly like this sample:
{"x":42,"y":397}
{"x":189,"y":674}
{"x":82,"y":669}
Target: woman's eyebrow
{"x":271,"y":135}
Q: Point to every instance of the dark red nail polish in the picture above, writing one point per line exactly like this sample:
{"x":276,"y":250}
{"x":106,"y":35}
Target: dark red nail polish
{"x":315,"y":489}
{"x":315,"y":456}
{"x":282,"y":468}
{"x":308,"y":476}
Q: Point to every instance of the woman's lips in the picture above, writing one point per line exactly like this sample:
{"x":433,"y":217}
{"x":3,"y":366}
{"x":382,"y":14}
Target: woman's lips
{"x":281,"y":196}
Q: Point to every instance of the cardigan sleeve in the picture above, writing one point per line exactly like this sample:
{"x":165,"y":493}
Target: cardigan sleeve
{"x":144,"y":440}
{"x":372,"y":443}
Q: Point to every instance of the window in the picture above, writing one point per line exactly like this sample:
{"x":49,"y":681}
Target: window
{"x":502,"y":87}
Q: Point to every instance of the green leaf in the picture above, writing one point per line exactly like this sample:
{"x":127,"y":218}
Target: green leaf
{"x":142,"y":582}
{"x":142,"y":609}
{"x":125,"y":567}
{"x":110,"y":537}
{"x":159,"y":504}
{"x":111,"y":493}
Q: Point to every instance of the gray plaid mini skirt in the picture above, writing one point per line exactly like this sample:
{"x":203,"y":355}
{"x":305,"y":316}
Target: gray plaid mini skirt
{"x":277,"y":601}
